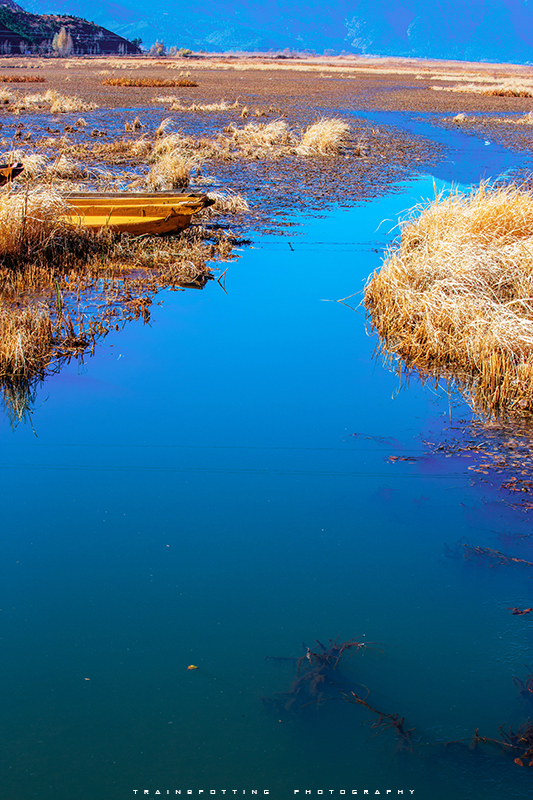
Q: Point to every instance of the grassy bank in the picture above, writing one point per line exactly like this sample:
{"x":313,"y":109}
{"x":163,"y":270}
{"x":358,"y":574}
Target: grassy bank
{"x":63,"y":287}
{"x":454,"y":300}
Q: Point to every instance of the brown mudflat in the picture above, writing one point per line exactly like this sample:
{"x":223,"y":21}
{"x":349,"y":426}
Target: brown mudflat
{"x":291,"y":83}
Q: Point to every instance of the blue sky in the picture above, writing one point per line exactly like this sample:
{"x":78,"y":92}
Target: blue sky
{"x":487,"y":30}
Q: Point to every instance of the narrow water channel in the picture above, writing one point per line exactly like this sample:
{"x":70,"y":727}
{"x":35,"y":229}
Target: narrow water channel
{"x":216,"y":488}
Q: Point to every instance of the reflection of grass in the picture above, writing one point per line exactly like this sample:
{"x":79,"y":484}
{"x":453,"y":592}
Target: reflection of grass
{"x":63,"y":287}
{"x":454,"y":299}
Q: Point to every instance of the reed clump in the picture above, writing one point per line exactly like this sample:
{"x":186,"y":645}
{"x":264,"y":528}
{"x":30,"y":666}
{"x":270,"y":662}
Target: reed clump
{"x":454,"y":300}
{"x":150,"y":82}
{"x":227,"y":203}
{"x":22,"y":79}
{"x":53,"y":101}
{"x":253,"y":141}
{"x":324,"y":137}
{"x":171,"y":171}
{"x":508,"y":87}
{"x":175,"y":104}
{"x":33,"y":231}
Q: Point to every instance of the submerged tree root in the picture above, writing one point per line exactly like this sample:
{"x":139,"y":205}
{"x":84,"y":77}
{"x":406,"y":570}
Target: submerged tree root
{"x":317,"y":679}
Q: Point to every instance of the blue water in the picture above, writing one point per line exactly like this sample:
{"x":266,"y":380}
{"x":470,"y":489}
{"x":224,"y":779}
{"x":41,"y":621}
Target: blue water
{"x":215,"y":488}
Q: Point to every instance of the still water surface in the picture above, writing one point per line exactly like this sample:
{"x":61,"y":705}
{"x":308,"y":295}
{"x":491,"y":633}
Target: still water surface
{"x":215,"y":488}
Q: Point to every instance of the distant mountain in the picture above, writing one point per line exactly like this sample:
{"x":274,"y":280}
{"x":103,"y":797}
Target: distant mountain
{"x":22,"y":32}
{"x":478,"y":30}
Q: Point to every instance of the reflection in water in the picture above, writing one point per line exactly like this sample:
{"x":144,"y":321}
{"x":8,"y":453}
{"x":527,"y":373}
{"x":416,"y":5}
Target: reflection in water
{"x":18,"y":398}
{"x":53,"y":313}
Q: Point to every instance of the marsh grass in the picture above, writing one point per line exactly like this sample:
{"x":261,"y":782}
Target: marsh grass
{"x":506,"y":87}
{"x":171,"y":171}
{"x":454,"y":300}
{"x":226,"y":203}
{"x":175,"y":104}
{"x":324,"y":137}
{"x":131,"y":127}
{"x":51,"y":100}
{"x":149,"y":82}
{"x":64,"y":287}
{"x":22,"y":79}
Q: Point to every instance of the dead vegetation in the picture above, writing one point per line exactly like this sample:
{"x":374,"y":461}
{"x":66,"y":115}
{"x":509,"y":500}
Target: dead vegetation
{"x":170,"y":171}
{"x":150,"y":82}
{"x":507,"y":87}
{"x":454,"y":300}
{"x":175,"y":104}
{"x":53,"y":101}
{"x":64,"y":287}
{"x":22,"y":79}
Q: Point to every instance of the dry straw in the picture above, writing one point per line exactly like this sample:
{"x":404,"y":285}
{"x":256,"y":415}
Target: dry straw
{"x":22,"y":79}
{"x":64,"y":286}
{"x":454,"y":300}
{"x":150,"y":82}
{"x":52,"y":101}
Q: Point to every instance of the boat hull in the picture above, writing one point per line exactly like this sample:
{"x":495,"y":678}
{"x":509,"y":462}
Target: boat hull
{"x":136,"y":213}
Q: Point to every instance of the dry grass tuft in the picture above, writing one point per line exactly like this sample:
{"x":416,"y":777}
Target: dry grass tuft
{"x":150,"y":82}
{"x":324,"y":137}
{"x":175,"y":104}
{"x":166,"y":123}
{"x":31,"y":230}
{"x":52,"y":101}
{"x":67,"y":169}
{"x":131,"y":127}
{"x":227,"y":203}
{"x":257,"y":134}
{"x":507,"y":91}
{"x":171,"y":171}
{"x":455,"y":299}
{"x":26,"y":339}
{"x":526,"y":119}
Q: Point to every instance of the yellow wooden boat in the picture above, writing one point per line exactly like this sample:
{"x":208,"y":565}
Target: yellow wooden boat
{"x":136,"y":212}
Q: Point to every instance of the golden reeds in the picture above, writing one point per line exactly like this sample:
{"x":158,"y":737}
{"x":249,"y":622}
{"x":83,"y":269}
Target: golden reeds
{"x":175,"y":104}
{"x":52,"y":101}
{"x":131,"y":127}
{"x":171,"y":171}
{"x":32,"y":230}
{"x":150,"y":82}
{"x":22,"y":79}
{"x":226,"y":203}
{"x":324,"y":137}
{"x":455,"y":299}
{"x":508,"y":87}
{"x":63,"y":286}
